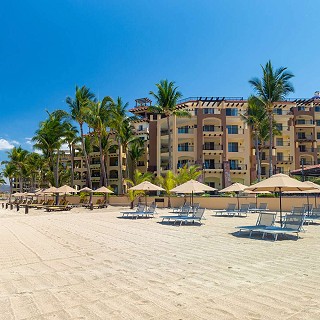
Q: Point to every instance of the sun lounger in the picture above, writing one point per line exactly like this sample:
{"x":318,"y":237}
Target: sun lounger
{"x":314,"y":217}
{"x":229,"y":211}
{"x":265,"y":219}
{"x":292,"y":225}
{"x":242,"y":211}
{"x":196,"y":217}
{"x":185,"y":211}
{"x":140,"y":209}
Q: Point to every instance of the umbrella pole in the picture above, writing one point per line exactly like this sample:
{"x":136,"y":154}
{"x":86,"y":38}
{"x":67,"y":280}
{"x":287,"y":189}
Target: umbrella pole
{"x":308,"y":204}
{"x":256,"y":201}
{"x":238,"y":200}
{"x":315,"y":200}
{"x":280,"y":207}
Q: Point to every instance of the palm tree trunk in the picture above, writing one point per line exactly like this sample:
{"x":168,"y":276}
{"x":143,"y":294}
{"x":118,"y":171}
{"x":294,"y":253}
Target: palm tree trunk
{"x":20,"y":183}
{"x":120,"y":168}
{"x":89,"y":182}
{"x":103,"y":177}
{"x":56,"y":174}
{"x":10,"y":182}
{"x":270,"y":143}
{"x":72,"y":165}
{"x":169,"y":143}
{"x":258,"y":156}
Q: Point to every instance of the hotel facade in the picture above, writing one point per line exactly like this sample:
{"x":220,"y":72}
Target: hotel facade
{"x":215,"y":138}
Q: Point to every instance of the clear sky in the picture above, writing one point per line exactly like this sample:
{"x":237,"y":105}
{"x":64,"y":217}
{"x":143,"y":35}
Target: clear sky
{"x":122,"y":48}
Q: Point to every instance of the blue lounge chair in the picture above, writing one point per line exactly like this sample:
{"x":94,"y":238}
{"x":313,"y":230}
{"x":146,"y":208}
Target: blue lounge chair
{"x":184,"y":211}
{"x":196,"y":217}
{"x":229,"y":211}
{"x":292,"y":224}
{"x":314,"y":217}
{"x":265,"y":219}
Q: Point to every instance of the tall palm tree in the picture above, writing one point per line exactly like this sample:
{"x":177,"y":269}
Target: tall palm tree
{"x":49,"y":139}
{"x":187,"y":173}
{"x":77,"y":112}
{"x":18,"y":157}
{"x":136,"y":151}
{"x":98,"y":118}
{"x":119,"y":123}
{"x":71,"y":138}
{"x":256,"y":117}
{"x":272,"y":87}
{"x":167,"y":97}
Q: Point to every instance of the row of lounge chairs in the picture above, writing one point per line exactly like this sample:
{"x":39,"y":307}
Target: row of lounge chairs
{"x":141,"y":211}
{"x":243,"y":210}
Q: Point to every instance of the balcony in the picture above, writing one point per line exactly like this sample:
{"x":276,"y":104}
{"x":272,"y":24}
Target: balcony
{"x":164,"y":132}
{"x":282,"y":144}
{"x":95,"y":165}
{"x":304,"y":137}
{"x":238,"y":167}
{"x":212,"y":147}
{"x":185,"y":148}
{"x":306,"y":150}
{"x":285,"y":159}
{"x":185,"y":131}
{"x":211,"y":130}
{"x":212,"y":166}
{"x":164,"y":150}
{"x":303,"y":123}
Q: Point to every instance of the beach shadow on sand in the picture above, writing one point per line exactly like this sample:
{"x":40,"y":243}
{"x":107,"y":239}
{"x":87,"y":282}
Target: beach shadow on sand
{"x":258,"y":236}
{"x":172,"y":224}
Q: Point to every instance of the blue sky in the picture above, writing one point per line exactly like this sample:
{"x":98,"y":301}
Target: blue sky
{"x":122,"y":48}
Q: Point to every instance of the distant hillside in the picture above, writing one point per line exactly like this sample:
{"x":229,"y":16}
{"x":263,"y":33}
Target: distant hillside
{"x":4,"y":188}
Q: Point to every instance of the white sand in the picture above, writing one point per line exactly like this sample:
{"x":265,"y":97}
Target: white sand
{"x":92,"y":265}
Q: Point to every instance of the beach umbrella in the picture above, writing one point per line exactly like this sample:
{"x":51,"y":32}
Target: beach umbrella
{"x":307,"y":192}
{"x":192,"y":187}
{"x":18,"y":194}
{"x":104,"y":190}
{"x":278,"y":183}
{"x":237,"y":188}
{"x":85,"y":189}
{"x":66,"y":189}
{"x":51,"y":190}
{"x":146,"y":186}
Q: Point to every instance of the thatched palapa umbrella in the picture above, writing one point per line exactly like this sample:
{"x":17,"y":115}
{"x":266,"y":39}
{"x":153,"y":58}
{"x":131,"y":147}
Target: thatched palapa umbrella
{"x":146,"y":186}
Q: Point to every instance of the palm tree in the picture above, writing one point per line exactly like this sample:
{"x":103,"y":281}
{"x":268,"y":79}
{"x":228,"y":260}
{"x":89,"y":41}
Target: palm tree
{"x":136,"y":151}
{"x":256,"y":117}
{"x":138,"y":177}
{"x":119,"y":123}
{"x":98,"y":117}
{"x":187,"y":173}
{"x":9,"y":172}
{"x":71,"y":138}
{"x":77,"y":112}
{"x":49,"y":138}
{"x":272,"y":87}
{"x":18,"y":158}
{"x":167,"y":98}
{"x":168,"y":182}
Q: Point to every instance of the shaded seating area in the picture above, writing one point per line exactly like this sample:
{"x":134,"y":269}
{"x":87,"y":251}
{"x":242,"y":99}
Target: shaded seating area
{"x":195,"y":216}
{"x":314,"y":217}
{"x":62,"y":206}
{"x":141,"y":211}
{"x":230,"y":210}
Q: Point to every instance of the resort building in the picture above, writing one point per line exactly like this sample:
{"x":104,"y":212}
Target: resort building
{"x":215,"y":137}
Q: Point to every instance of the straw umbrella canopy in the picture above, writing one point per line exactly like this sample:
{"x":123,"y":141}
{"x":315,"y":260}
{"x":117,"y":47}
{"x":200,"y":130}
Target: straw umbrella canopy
{"x":18,"y":194}
{"x":51,"y":190}
{"x":278,"y":183}
{"x":103,"y":190}
{"x":191,"y":187}
{"x":66,"y":189}
{"x":237,"y":188}
{"x":85,"y":189}
{"x":146,"y":186}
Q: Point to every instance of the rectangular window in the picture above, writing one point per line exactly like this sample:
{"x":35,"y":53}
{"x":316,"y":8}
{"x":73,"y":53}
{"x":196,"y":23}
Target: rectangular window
{"x":318,"y":135}
{"x":184,"y":147}
{"x":184,"y":129}
{"x":233,"y":147}
{"x":301,"y":108}
{"x":301,"y":135}
{"x":279,"y":142}
{"x":208,"y":146}
{"x":302,"y":148}
{"x":263,"y":156}
{"x":208,"y":127}
{"x":231,"y":112}
{"x":277,"y":111}
{"x":279,"y":156}
{"x":318,"y":123}
{"x":301,"y":121}
{"x":209,"y":164}
{"x":263,"y":171}
{"x":234,"y":164}
{"x":232,"y":129}
{"x":208,"y":110}
{"x":140,"y":163}
{"x":182,"y":163}
{"x":140,"y":127}
{"x":279,"y":126}
{"x":317,"y":109}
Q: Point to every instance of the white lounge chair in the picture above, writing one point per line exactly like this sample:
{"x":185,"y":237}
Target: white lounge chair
{"x":229,"y":211}
{"x":314,"y":217}
{"x":196,"y":217}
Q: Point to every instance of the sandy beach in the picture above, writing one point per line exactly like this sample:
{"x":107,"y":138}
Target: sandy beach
{"x":93,"y":265}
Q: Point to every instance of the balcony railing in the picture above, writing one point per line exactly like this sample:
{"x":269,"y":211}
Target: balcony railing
{"x":185,"y":148}
{"x":164,"y":132}
{"x":209,"y":129}
{"x":238,"y":167}
{"x":285,"y":159}
{"x":283,"y":144}
{"x":164,"y":150}
{"x":208,"y":166}
{"x":185,"y":131}
{"x":306,"y":150}
{"x":304,"y":137}
{"x":210,"y":147}
{"x":303,"y":121}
